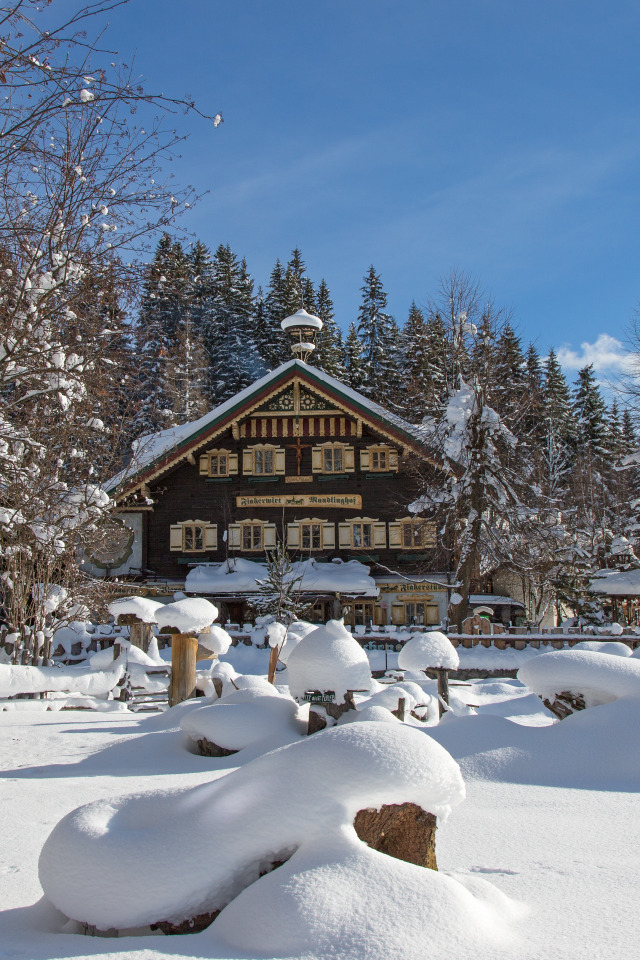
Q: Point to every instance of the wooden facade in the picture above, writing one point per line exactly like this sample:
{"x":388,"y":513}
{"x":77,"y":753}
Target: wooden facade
{"x":297,"y":459}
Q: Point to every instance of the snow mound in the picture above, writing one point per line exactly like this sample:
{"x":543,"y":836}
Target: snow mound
{"x":187,"y":616}
{"x":377,"y":713}
{"x":603,"y":646}
{"x":235,"y":725}
{"x":130,"y":861}
{"x":426,"y":651}
{"x":141,"y":607}
{"x":388,"y":697}
{"x":66,"y":637}
{"x":217,"y":640}
{"x":24,"y":679}
{"x":600,"y":679}
{"x":328,"y":658}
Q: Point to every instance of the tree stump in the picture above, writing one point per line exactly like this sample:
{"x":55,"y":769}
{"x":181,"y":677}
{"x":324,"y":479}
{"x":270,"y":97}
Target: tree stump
{"x":184,"y":649}
{"x":207,"y":748}
{"x":404,"y":831}
{"x":565,"y":704}
{"x":140,"y":633}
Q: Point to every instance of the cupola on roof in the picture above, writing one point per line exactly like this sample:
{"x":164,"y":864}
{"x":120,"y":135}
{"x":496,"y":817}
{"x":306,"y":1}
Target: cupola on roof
{"x":302,"y":328}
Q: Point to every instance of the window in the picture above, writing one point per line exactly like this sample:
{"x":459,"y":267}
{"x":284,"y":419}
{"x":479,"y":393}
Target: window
{"x":311,"y":533}
{"x":193,"y":536}
{"x":263,"y":460}
{"x":252,"y":538}
{"x":332,"y":460}
{"x":328,"y":458}
{"x":311,"y":536}
{"x":218,"y":464}
{"x":379,"y":458}
{"x":415,"y":613}
{"x":362,"y":535}
{"x":361,"y":614}
{"x":412,"y":533}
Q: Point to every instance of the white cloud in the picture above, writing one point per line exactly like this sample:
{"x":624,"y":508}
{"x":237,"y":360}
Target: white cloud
{"x":607,"y":355}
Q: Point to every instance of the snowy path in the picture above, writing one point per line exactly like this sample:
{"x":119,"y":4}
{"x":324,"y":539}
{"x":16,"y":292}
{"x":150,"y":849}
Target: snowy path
{"x":570,"y":854}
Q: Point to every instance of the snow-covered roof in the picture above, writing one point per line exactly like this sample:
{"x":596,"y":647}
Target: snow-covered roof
{"x":614,"y":583}
{"x":242,"y":576}
{"x":494,"y":600}
{"x":151,"y":448}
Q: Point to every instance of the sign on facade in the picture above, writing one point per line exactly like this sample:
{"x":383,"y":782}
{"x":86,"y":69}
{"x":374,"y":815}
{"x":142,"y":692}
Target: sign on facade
{"x":349,"y":501}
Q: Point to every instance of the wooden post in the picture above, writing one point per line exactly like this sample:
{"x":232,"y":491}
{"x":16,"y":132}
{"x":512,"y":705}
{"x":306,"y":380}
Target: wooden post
{"x":273,"y":663}
{"x":140,"y":633}
{"x":443,"y":689}
{"x":183,"y":668}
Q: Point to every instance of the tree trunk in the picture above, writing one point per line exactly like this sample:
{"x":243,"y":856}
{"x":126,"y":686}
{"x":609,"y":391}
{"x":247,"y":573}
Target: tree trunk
{"x":183,"y":668}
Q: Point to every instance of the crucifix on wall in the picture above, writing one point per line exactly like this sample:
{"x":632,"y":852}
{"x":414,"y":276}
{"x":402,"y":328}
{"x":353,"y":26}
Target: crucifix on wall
{"x":298,"y":446}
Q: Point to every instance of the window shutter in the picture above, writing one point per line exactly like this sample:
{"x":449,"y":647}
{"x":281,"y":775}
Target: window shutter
{"x":364,"y":459}
{"x":349,"y":460}
{"x":175,"y":536}
{"x":269,"y":531}
{"x":329,"y":536}
{"x":380,"y":534}
{"x":204,"y":465}
{"x":397,"y":613}
{"x":233,"y":462}
{"x":395,"y":535}
{"x":247,"y":462}
{"x":393,"y":459}
{"x":316,"y":460}
{"x":344,"y":532}
{"x":279,"y":461}
{"x":211,"y":536}
{"x":429,"y":535}
{"x":293,"y":535}
{"x":235,"y":535}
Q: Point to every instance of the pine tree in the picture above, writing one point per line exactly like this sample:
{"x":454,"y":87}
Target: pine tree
{"x":590,"y":412}
{"x":424,"y":353}
{"x":275,"y":309}
{"x":557,"y":401}
{"x":329,"y":354}
{"x":228,"y":328}
{"x":378,"y":333}
{"x":353,"y":358}
{"x":164,"y":304}
{"x":509,"y":389}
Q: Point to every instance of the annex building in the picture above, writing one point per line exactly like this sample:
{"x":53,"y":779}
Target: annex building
{"x":300,"y":458}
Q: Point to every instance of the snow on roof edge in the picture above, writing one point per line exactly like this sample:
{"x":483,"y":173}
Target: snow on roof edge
{"x":147,"y":450}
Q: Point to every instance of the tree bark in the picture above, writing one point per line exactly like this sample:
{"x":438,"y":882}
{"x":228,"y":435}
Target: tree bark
{"x":183,"y":668}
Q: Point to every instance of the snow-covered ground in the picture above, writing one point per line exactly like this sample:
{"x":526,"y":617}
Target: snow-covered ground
{"x":551,"y":819}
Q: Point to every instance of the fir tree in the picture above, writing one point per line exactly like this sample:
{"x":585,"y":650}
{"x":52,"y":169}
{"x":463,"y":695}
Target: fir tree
{"x":228,"y":328}
{"x":590,"y":412}
{"x":424,"y":351}
{"x":557,"y":401}
{"x":353,"y":358}
{"x":329,"y":354}
{"x":378,"y":334}
{"x":162,"y":308}
{"x":275,"y":309}
{"x":509,"y":371}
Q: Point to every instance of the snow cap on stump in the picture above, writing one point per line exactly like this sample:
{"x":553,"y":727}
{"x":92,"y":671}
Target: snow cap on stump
{"x":187,"y":616}
{"x":428,"y":651}
{"x":141,"y":607}
{"x":216,"y":640}
{"x":328,"y":658}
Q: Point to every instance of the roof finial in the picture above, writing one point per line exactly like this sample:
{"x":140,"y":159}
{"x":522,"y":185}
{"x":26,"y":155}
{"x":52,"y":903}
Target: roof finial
{"x":302,"y":328}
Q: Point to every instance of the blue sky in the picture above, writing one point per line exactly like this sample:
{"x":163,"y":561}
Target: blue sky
{"x":500,"y":138}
